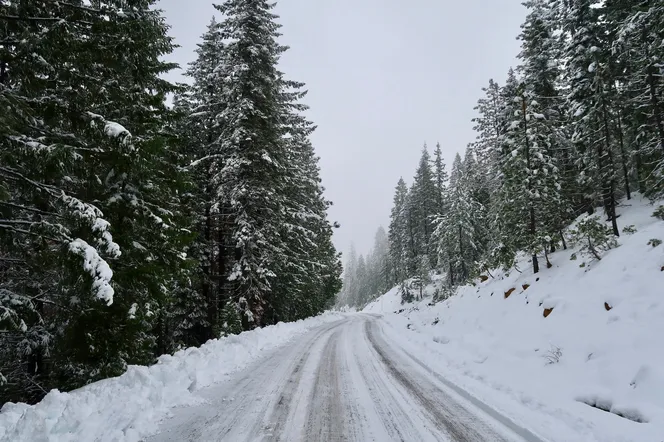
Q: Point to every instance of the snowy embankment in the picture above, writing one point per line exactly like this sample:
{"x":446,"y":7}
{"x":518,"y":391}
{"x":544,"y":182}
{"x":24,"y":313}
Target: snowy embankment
{"x":591,"y":370}
{"x":130,"y":406}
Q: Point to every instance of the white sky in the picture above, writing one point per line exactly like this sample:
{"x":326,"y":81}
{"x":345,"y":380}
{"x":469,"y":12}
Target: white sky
{"x":384,"y":76}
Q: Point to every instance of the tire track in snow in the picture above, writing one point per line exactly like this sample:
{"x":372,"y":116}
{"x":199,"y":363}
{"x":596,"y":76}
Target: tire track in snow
{"x":236,"y":409}
{"x":496,"y":416}
{"x":448,"y":414}
{"x":325,"y":420}
{"x":390,"y":407}
{"x":341,"y":382}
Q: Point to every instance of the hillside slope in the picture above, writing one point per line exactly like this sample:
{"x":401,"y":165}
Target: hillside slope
{"x":591,"y":370}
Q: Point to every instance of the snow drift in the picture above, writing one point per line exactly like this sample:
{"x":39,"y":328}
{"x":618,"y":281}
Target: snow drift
{"x":591,"y":370}
{"x":130,"y":406}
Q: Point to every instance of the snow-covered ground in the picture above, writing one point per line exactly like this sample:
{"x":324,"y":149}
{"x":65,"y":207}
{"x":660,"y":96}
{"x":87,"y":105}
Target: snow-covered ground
{"x":479,"y":366}
{"x":130,"y":406}
{"x":601,"y":344}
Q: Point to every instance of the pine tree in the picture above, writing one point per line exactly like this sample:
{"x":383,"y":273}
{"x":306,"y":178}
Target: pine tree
{"x":531,"y":189}
{"x":490,"y":127}
{"x":382,"y":265}
{"x":398,"y":235}
{"x":362,"y":278}
{"x":440,"y":179}
{"x":308,"y":279}
{"x":423,"y":201}
{"x":458,"y":229}
{"x":136,"y":181}
{"x":188,"y":313}
{"x":249,"y":157}
{"x":76,"y":124}
{"x":638,"y":44}
{"x":202,"y":105}
{"x":592,"y":100}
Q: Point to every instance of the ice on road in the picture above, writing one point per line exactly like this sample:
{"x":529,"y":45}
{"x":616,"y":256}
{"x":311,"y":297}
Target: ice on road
{"x":342,"y":381}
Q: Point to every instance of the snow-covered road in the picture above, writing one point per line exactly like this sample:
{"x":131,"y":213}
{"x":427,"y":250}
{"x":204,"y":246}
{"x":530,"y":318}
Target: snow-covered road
{"x":342,"y":381}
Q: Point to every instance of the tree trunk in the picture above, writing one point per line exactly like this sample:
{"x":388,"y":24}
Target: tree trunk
{"x":412,"y":269}
{"x":464,"y":271}
{"x":3,"y":72}
{"x":623,"y":156}
{"x":546,"y":257}
{"x":562,"y":237}
{"x":639,"y":172}
{"x":608,"y":184}
{"x":222,"y":256}
{"x":593,"y":250}
{"x":531,"y":209}
{"x":654,"y":100}
{"x":207,"y":261}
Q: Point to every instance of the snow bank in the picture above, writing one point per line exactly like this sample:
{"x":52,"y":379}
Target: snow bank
{"x":130,"y":406}
{"x":592,"y":370}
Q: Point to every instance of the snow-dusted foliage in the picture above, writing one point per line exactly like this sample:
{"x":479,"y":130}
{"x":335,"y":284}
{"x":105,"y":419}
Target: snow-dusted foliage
{"x":265,"y":242}
{"x":79,"y":191}
{"x":578,"y":124}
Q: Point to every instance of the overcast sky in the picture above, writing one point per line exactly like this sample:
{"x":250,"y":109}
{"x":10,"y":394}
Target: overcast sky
{"x":384,"y":76}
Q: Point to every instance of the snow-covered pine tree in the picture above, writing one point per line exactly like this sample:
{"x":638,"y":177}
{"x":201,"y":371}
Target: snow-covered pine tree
{"x":349,"y":287}
{"x":440,"y":179}
{"x":490,"y":127}
{"x":55,"y":240}
{"x":308,"y":276}
{"x":412,"y":232}
{"x":639,"y":45}
{"x":135,"y":179}
{"x":398,"y":234}
{"x":530,"y":189}
{"x":540,"y":77}
{"x":423,"y":200}
{"x":458,"y":228}
{"x":249,"y":157}
{"x":202,"y":105}
{"x":382,"y":270}
{"x":188,"y":313}
{"x":362,"y":278}
{"x":590,"y":78}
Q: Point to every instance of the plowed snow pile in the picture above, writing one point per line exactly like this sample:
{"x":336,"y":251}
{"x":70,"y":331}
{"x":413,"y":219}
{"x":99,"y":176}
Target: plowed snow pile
{"x":592,"y":370}
{"x":130,"y":406}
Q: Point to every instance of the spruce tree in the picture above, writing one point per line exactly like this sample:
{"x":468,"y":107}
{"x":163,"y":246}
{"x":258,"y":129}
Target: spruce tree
{"x":249,"y":157}
{"x":592,"y":100}
{"x":490,"y":127}
{"x":398,"y":235}
{"x":96,"y":118}
{"x":638,"y":45}
{"x":458,"y":228}
{"x":531,"y":189}
{"x":440,"y":179}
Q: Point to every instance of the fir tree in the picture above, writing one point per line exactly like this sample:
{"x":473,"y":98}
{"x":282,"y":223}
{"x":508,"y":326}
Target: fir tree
{"x":457,"y":229}
{"x":249,"y":157}
{"x":422,"y":200}
{"x":531,"y":189}
{"x":440,"y":178}
{"x":398,"y":235}
{"x":640,"y":51}
{"x":592,"y":100}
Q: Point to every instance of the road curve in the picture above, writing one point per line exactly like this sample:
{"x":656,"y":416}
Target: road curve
{"x":340,"y":382}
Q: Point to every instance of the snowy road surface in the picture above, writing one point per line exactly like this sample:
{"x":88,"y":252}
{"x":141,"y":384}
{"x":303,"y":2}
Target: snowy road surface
{"x":342,"y":381}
